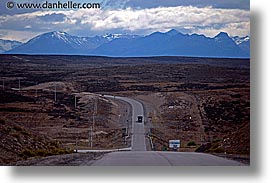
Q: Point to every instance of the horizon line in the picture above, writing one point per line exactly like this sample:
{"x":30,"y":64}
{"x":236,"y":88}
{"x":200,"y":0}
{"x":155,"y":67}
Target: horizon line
{"x":142,"y":35}
{"x":124,"y":57}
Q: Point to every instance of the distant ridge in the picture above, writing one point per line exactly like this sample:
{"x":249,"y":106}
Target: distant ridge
{"x":6,"y":45}
{"x":171,"y":43}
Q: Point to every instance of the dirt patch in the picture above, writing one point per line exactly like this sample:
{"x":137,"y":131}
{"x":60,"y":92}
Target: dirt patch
{"x":18,"y":143}
{"x":196,"y":100}
{"x":82,"y":159}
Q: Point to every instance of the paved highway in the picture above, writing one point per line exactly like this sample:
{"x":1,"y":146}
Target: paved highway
{"x":138,"y":132}
{"x":158,"y":158}
{"x":138,"y":156}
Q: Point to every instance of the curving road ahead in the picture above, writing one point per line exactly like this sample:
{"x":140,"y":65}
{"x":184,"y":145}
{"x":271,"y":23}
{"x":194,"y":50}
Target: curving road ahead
{"x":140,"y":157}
{"x":138,"y":132}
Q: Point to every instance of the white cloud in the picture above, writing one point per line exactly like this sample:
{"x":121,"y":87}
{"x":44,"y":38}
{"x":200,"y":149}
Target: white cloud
{"x":207,"y":20}
{"x":22,"y":36}
{"x":165,"y":18}
{"x":28,"y":27}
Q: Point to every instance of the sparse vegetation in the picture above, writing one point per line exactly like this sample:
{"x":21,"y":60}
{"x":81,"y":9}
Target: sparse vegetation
{"x":42,"y":152}
{"x":191,"y":143}
{"x":203,"y":101}
{"x":2,"y":122}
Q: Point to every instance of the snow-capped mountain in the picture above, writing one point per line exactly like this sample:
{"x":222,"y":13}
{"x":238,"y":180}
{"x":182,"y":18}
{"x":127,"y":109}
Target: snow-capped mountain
{"x":239,"y":40}
{"x":58,"y":42}
{"x":243,"y":43}
{"x":171,"y":43}
{"x":111,"y":37}
{"x":6,"y":45}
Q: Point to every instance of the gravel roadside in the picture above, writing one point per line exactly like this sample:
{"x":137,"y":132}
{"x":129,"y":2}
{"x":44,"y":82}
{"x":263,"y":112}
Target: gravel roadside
{"x":75,"y":159}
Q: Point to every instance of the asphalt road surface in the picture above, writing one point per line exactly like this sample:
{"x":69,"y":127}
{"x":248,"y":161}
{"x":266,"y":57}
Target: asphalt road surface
{"x":157,"y":158}
{"x":138,"y":132}
{"x":138,"y":156}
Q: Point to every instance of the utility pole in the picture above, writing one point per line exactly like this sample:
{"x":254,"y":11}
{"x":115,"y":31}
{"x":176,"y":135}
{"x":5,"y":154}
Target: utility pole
{"x":75,"y":101}
{"x":92,"y":126}
{"x":201,"y":136}
{"x":119,"y":116}
{"x":90,"y":133}
{"x":76,"y":142}
{"x":19,"y":85}
{"x":36,"y":90}
{"x":55,"y":92}
{"x":3,"y":85}
{"x":127,"y":127}
{"x":94,"y":114}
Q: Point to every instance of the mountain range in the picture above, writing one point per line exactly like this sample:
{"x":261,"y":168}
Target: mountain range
{"x":171,"y":43}
{"x":6,"y":45}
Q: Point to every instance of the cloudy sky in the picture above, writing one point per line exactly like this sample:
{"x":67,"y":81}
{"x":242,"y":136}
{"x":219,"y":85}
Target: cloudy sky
{"x":208,"y":17}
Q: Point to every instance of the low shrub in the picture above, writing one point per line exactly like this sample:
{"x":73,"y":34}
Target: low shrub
{"x":191,"y":143}
{"x":2,"y":122}
{"x":17,"y":128}
{"x":27,"y":153}
{"x":43,"y":152}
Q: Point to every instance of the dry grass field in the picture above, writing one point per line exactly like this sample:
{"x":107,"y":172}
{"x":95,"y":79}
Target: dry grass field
{"x":203,"y":102}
